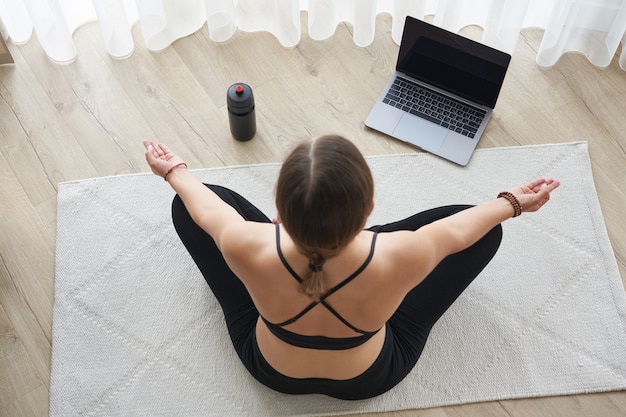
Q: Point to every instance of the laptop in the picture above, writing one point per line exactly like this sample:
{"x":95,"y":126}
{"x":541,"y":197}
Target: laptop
{"x":442,"y":93}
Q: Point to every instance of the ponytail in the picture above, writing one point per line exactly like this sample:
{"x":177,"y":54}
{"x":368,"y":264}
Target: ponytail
{"x":313,"y":283}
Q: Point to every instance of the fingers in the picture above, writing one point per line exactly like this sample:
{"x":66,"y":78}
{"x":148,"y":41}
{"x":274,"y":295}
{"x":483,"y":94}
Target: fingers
{"x":156,"y":149}
{"x":535,"y":186}
{"x":150,"y":151}
{"x":153,"y":156}
{"x":536,"y":193}
{"x":543,"y":194}
{"x":151,"y":146}
{"x":164,"y":148}
{"x":547,"y":187}
{"x":540,"y":184}
{"x":552,"y":184}
{"x":536,"y":183}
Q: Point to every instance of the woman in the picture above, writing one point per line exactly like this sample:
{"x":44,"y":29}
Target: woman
{"x":315,"y":303}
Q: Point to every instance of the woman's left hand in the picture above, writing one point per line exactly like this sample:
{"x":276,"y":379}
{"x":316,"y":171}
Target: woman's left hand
{"x":534,"y":195}
{"x":160,"y":158}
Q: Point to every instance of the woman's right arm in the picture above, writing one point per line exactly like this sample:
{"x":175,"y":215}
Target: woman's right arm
{"x":459,"y":231}
{"x":206,"y":208}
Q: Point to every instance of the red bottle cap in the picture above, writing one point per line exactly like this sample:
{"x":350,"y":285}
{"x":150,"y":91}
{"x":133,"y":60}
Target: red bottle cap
{"x":239,"y":89}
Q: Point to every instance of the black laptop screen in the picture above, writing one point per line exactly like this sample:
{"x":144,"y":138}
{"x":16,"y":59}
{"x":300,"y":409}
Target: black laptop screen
{"x":452,"y":62}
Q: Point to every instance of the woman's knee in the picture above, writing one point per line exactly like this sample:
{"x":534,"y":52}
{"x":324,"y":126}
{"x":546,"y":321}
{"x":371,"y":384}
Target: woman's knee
{"x":496,"y":234}
{"x":423,"y":218}
{"x":179,"y":211}
{"x":492,"y":240}
{"x":178,"y":208}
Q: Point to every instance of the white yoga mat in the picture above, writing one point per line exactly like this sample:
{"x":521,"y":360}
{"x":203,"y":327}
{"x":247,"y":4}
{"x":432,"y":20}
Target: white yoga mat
{"x":136,"y":330}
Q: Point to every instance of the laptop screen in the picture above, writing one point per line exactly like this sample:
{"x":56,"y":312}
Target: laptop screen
{"x":452,"y":62}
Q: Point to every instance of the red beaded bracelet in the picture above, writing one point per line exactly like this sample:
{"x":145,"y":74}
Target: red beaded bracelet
{"x":172,"y":169}
{"x":517,"y":207}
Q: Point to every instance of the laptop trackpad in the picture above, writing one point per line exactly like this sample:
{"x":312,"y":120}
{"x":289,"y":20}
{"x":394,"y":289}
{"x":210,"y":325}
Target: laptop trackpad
{"x":420,"y":132}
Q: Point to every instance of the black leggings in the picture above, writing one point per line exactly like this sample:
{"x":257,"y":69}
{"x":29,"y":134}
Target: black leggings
{"x":407,"y":330}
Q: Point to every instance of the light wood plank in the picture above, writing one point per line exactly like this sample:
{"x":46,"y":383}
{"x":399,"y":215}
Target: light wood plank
{"x":17,"y":376}
{"x":26,"y":272}
{"x":35,"y":135}
{"x":491,"y":409}
{"x":33,"y":404}
{"x":606,"y":404}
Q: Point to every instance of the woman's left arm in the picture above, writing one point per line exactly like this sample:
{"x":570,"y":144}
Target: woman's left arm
{"x":206,"y":208}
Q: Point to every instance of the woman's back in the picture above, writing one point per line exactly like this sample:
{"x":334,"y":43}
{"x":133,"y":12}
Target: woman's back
{"x":365,"y":302}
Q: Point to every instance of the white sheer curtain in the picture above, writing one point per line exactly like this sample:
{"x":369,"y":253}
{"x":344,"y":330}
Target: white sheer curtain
{"x":594,"y":28}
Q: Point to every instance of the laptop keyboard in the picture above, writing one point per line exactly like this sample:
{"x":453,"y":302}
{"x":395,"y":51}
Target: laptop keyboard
{"x":430,"y":105}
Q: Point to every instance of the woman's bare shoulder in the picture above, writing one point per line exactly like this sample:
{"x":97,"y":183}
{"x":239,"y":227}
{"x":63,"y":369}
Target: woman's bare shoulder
{"x":246,"y":236}
{"x":250,"y":251}
{"x":407,"y":256}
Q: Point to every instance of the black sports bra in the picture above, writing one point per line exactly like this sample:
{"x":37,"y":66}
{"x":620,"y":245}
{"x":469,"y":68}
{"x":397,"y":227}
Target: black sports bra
{"x":321,"y":342}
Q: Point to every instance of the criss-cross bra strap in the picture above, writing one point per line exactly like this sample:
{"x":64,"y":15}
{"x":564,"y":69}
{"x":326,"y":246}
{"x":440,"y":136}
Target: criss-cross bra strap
{"x":322,"y":299}
{"x":297,"y":316}
{"x":354,"y":274}
{"x":282,"y":257}
{"x":344,"y":321}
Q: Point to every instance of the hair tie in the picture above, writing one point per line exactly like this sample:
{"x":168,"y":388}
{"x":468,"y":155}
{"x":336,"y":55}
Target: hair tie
{"x":315,"y":268}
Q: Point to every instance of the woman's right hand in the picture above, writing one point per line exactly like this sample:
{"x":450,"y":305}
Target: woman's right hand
{"x":161,"y":160}
{"x":535,"y":194}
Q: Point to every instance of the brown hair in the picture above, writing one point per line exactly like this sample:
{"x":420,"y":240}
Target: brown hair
{"x":324,"y":195}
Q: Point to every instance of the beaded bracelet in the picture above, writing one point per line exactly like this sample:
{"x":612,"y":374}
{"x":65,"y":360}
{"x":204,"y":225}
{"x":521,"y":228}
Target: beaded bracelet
{"x":172,"y":169}
{"x":517,"y":207}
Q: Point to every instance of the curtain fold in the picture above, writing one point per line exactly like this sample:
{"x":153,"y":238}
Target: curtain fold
{"x":503,"y":23}
{"x":594,"y":28}
{"x":115,"y":27}
{"x":51,"y":27}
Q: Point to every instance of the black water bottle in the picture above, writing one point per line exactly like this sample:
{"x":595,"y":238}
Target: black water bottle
{"x":240,"y":103}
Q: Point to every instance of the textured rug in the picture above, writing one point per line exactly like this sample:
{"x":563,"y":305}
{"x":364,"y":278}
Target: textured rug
{"x":137,"y":332}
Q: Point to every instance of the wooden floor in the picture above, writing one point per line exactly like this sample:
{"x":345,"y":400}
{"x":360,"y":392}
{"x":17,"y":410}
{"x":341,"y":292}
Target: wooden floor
{"x":87,"y":119}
